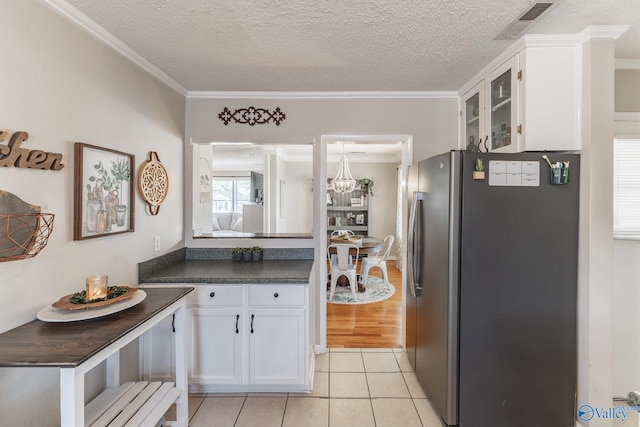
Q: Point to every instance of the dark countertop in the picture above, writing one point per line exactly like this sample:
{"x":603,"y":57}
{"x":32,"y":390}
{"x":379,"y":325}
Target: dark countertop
{"x":191,"y":265}
{"x":68,"y":344}
{"x":229,"y":272}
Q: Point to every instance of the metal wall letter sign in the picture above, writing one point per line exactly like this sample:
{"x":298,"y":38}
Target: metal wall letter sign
{"x":12,"y":155}
{"x":252,"y":116}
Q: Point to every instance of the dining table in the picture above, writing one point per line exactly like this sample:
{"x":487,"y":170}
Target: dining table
{"x":366,"y":245}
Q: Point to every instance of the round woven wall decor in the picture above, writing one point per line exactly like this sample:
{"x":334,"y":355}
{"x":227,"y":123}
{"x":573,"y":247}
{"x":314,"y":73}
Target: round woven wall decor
{"x":153,"y":183}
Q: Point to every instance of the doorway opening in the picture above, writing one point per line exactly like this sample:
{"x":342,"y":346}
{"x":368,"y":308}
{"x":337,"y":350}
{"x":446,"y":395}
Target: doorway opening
{"x":382,"y":160}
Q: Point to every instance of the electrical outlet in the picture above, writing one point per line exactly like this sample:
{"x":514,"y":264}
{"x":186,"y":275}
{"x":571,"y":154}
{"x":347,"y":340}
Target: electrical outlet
{"x":156,"y":243}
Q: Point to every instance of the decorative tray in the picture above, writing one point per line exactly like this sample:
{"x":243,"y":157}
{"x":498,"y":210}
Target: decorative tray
{"x":65,"y":304}
{"x":52,"y":314}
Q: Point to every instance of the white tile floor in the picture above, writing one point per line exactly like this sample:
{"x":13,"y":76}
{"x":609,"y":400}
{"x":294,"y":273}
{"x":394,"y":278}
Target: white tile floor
{"x":352,"y":388}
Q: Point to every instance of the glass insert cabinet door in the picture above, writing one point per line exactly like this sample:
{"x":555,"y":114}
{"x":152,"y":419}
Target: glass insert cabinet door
{"x":472,"y":118}
{"x":502,"y":107}
{"x":501,"y":111}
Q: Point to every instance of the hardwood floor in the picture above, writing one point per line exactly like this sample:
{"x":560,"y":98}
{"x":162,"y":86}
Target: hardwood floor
{"x":375,"y":325}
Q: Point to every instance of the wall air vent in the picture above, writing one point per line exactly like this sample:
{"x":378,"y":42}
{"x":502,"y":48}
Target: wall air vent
{"x":517,"y":27}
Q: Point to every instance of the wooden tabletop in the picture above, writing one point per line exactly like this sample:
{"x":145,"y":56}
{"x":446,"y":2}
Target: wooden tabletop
{"x":68,"y":344}
{"x":368,"y":245}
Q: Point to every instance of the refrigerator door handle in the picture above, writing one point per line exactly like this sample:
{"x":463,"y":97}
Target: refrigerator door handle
{"x":414,"y":246}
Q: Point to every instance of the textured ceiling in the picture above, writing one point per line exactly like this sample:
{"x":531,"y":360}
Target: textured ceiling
{"x":336,"y":45}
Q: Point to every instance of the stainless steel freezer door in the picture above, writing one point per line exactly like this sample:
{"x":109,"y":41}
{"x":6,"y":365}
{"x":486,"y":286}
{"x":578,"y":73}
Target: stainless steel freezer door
{"x":437,"y":305}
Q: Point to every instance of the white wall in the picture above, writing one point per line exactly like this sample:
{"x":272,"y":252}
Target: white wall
{"x":299,"y":197}
{"x":626,"y":261}
{"x":431,"y":121}
{"x":595,"y":265}
{"x":63,"y":86}
{"x":626,"y":317}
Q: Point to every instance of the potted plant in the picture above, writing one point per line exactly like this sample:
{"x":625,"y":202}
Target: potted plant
{"x":236,"y":254}
{"x":478,"y":173}
{"x":256,"y":253}
{"x":246,"y":254}
{"x":367,"y":184}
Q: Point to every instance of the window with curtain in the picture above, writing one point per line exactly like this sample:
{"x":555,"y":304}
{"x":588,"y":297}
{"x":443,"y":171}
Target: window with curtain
{"x":230,"y":193}
{"x":626,"y":188}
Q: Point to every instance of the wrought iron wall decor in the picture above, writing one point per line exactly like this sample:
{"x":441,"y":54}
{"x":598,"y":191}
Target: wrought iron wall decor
{"x":252,"y":116}
{"x":12,"y":155}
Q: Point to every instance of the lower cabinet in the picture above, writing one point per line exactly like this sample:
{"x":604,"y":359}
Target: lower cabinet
{"x":249,"y":337}
{"x":276,"y":351}
{"x":215,"y":346}
{"x":241,"y":338}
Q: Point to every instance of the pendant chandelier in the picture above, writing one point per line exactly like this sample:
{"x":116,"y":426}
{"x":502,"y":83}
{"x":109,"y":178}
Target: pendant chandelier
{"x":343,"y":182}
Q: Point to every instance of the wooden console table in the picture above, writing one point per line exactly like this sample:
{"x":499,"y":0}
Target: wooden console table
{"x":77,"y":347}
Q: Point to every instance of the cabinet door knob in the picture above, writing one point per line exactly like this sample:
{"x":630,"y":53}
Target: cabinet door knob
{"x":276,"y":295}
{"x":212,"y":294}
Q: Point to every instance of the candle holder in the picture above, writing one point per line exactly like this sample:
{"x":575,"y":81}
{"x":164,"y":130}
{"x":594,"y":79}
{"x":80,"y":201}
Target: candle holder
{"x":97,"y":287}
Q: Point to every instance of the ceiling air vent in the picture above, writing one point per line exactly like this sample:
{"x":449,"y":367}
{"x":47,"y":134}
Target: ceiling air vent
{"x":517,"y":27}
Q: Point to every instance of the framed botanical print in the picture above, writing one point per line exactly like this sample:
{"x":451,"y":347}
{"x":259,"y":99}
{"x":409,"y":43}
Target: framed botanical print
{"x":103,"y":192}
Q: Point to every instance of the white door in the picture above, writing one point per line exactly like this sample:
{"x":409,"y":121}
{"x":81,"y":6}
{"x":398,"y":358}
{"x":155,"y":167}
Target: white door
{"x":276,"y":346}
{"x":215,"y":346}
{"x":501,"y":92}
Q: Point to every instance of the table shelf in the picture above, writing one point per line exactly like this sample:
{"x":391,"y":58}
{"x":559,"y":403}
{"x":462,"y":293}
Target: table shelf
{"x":131,"y":404}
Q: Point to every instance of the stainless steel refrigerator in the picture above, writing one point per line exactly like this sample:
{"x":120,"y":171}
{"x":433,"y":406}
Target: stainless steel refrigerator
{"x":492,"y":287}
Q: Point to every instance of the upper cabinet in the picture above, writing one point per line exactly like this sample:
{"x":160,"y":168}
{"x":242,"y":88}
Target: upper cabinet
{"x":501,"y":87}
{"x":473,"y":117}
{"x":529,"y":102}
{"x":490,"y":111}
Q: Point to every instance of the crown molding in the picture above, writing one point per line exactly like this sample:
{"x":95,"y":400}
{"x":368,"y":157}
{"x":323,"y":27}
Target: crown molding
{"x":90,"y":26}
{"x":627,"y":64}
{"x":321,"y":95}
{"x":593,"y":32}
{"x":603,"y":32}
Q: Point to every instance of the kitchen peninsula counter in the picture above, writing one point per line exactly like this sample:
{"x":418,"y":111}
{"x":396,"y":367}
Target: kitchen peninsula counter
{"x":214,"y":266}
{"x":251,"y":325}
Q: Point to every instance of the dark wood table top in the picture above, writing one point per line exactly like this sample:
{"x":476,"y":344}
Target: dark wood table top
{"x":369,"y":245}
{"x":69,"y":344}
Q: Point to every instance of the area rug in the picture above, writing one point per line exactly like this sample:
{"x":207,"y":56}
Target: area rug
{"x":375,"y":290}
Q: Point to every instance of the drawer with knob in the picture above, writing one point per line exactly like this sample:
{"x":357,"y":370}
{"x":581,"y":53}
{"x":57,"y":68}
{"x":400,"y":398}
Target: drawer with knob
{"x":277,"y":295}
{"x":216,"y":295}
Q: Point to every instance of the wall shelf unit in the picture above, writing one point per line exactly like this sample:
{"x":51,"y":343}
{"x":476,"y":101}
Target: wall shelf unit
{"x":348,"y":211}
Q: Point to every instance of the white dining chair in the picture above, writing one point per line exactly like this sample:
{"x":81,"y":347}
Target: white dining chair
{"x":342,"y":264}
{"x":377,"y":260}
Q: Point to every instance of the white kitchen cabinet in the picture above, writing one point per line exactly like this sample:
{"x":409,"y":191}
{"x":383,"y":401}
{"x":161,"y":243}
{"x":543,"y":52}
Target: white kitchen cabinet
{"x":249,"y":338}
{"x":501,"y":100}
{"x":240,"y":338}
{"x":215,"y":346}
{"x":473,"y":117}
{"x":277,"y":337}
{"x":490,"y":113}
{"x":530,"y":102}
{"x":215,"y":334}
